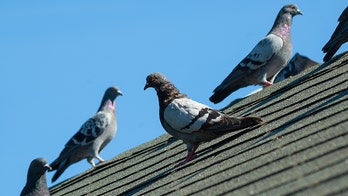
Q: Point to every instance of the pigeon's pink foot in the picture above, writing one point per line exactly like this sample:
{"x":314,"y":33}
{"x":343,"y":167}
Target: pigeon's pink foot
{"x":267,"y":84}
{"x":189,"y":157}
{"x":100,"y":159}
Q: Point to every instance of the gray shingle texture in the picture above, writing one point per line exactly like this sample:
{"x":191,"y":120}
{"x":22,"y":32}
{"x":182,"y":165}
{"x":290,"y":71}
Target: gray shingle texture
{"x":302,"y":148}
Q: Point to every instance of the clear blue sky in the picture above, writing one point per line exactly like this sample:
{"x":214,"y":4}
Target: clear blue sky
{"x":58,"y":57}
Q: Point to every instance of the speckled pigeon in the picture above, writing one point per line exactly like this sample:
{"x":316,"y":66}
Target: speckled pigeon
{"x":339,"y":37}
{"x":297,"y":64}
{"x":36,"y":184}
{"x":265,"y":61}
{"x":92,"y":137}
{"x":190,"y":121}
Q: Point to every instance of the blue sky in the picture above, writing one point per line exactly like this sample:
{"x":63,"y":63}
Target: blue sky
{"x":58,"y":57}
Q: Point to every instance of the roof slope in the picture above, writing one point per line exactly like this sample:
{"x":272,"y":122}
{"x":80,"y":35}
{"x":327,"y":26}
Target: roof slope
{"x":301,"y":148}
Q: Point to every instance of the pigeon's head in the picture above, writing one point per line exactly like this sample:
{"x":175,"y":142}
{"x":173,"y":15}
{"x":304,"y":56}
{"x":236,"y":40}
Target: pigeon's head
{"x":292,"y":9}
{"x":109,"y":98}
{"x":112,"y":92}
{"x":155,"y":80}
{"x":38,"y":167}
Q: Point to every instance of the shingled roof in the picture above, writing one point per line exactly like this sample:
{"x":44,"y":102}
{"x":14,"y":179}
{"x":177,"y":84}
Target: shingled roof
{"x":301,"y":148}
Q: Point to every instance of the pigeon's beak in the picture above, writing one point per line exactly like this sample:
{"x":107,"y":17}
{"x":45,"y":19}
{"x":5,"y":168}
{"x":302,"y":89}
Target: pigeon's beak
{"x":146,"y":86}
{"x":299,"y":12}
{"x":120,"y":93}
{"x":48,"y":167}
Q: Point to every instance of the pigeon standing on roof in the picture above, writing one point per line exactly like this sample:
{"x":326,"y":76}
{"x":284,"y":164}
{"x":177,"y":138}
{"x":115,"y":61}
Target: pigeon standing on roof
{"x":190,"y":121}
{"x":297,"y":64}
{"x":264,"y":62}
{"x":92,"y":137}
{"x":36,"y":184}
{"x":339,"y":37}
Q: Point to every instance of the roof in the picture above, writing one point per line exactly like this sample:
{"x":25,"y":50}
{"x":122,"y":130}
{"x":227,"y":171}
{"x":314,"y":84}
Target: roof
{"x":301,"y":148}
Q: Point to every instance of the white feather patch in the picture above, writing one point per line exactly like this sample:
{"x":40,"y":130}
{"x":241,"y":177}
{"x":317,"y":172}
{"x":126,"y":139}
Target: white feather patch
{"x":180,"y":114}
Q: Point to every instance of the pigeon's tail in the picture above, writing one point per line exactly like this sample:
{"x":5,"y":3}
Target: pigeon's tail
{"x":60,"y":167}
{"x":220,"y":93}
{"x":55,"y":164}
{"x":330,"y":49}
{"x":250,"y":121}
{"x":338,"y":37}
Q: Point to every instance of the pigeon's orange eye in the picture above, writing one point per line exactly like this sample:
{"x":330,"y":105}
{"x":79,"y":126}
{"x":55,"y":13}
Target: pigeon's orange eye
{"x":153,"y":79}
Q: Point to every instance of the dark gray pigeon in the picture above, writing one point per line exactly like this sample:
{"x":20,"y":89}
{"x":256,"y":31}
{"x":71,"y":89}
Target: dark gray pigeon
{"x":339,"y":37}
{"x":297,"y":64}
{"x":92,"y":137}
{"x":264,"y":62}
{"x":190,"y":121}
{"x":36,"y":184}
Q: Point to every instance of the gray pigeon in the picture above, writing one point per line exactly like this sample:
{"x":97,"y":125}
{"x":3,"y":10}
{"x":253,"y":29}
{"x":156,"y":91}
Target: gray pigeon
{"x":297,"y":64}
{"x":190,"y":121}
{"x":339,"y":37}
{"x":92,"y":137}
{"x":264,"y":62}
{"x":36,"y":184}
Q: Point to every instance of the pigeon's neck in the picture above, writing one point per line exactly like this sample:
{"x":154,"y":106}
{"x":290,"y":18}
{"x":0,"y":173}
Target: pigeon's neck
{"x":167,"y":93}
{"x":107,"y":105}
{"x":36,"y":182}
{"x":282,"y":26}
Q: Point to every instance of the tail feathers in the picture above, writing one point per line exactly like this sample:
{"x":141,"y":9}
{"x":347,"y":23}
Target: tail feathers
{"x":338,"y":38}
{"x":60,"y":167}
{"x":250,"y":121}
{"x":330,"y":49}
{"x":54,"y":165}
{"x":221,"y":93}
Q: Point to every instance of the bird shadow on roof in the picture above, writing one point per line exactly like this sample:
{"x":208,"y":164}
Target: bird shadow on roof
{"x":213,"y":150}
{"x":157,"y":147}
{"x":205,"y":152}
{"x":135,"y":189}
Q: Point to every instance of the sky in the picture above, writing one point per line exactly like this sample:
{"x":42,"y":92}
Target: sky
{"x":58,"y":57}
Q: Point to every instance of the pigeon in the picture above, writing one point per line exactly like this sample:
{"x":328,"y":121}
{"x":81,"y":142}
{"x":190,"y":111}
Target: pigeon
{"x":191,"y":121}
{"x":264,"y":62}
{"x":36,"y":184}
{"x":297,"y":64}
{"x":92,"y":137}
{"x":339,"y":37}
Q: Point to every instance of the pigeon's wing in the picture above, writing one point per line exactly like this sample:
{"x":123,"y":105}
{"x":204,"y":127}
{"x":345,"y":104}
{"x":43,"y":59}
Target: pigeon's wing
{"x":90,"y":130}
{"x":262,"y":53}
{"x":187,"y":116}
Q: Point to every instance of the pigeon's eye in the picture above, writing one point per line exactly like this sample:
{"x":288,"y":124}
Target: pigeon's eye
{"x":153,"y":79}
{"x":292,"y":7}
